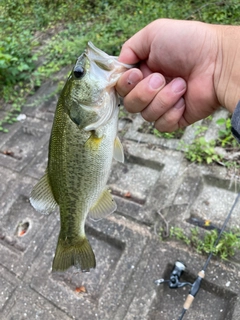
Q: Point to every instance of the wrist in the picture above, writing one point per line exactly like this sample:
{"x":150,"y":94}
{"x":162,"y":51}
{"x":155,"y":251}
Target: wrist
{"x":227,"y":70}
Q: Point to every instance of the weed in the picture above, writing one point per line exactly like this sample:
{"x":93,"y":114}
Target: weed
{"x":149,"y":128}
{"x":226,"y":138}
{"x":226,"y":248}
{"x":27,"y":33}
{"x":168,"y":135}
{"x":201,"y":151}
{"x":179,"y":234}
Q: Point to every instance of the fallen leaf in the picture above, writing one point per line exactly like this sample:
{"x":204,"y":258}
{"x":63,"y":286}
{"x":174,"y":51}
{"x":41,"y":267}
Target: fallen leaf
{"x":127,"y":194}
{"x":80,"y":289}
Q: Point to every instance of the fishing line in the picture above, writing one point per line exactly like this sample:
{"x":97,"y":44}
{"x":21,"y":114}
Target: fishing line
{"x":196,"y":285}
{"x":174,"y":280}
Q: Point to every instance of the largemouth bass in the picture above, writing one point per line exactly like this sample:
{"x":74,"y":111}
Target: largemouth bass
{"x":82,"y":144}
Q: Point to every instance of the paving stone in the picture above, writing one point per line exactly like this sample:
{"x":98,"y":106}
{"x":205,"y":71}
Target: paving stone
{"x":18,"y":185}
{"x":7,"y":176}
{"x":22,"y":146}
{"x":37,"y":167}
{"x":217,"y":297}
{"x":5,"y":292}
{"x":132,"y":184}
{"x":8,"y":285}
{"x":190,"y":133}
{"x":169,"y":163}
{"x":27,"y":304}
{"x":45,"y":107}
{"x":134,"y":134}
{"x":206,"y":195}
{"x":118,"y":246}
{"x":137,"y":180}
{"x":41,"y":100}
{"x":18,"y":249}
{"x":155,"y":187}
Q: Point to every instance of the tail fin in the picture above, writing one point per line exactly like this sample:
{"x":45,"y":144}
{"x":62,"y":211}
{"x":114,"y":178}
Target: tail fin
{"x":80,"y":255}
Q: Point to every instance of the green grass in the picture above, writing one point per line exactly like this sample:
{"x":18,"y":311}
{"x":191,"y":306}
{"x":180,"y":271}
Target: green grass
{"x":226,"y":139}
{"x":226,"y":247}
{"x":201,"y":151}
{"x":38,"y":38}
{"x":148,"y":128}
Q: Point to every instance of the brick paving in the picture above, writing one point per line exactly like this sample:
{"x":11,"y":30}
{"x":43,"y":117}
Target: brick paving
{"x":129,"y":254}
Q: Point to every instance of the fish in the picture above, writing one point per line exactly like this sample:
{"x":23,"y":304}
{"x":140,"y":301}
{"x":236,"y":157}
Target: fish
{"x":82,"y":145}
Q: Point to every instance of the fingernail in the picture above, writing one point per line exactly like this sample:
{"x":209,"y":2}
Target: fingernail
{"x":134,"y":77}
{"x":156,"y":81}
{"x":178,"y":85}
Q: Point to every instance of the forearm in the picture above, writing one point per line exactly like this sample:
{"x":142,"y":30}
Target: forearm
{"x":227,"y":71}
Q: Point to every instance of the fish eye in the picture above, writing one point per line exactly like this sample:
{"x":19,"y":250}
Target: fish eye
{"x":78,"y":72}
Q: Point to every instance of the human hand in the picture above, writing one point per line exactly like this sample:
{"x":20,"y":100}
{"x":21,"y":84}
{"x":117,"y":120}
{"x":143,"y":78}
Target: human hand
{"x":179,"y":78}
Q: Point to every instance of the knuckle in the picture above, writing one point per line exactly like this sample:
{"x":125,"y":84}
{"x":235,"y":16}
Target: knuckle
{"x":130,"y":105}
{"x":165,"y":127}
{"x":135,"y":101}
{"x":150,"y":113}
{"x":167,"y":123}
{"x":163,"y":102}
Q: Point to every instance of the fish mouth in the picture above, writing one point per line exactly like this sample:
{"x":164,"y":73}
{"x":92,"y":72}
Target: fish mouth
{"x":110,"y":69}
{"x":105,"y":61}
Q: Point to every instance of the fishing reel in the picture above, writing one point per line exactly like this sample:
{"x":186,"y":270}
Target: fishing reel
{"x":174,"y":280}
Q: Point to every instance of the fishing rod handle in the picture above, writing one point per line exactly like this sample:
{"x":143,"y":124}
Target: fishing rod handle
{"x":194,"y":290}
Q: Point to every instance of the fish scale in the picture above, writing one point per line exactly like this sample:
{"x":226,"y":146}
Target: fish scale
{"x":82,"y":144}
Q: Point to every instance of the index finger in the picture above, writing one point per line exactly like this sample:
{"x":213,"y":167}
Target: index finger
{"x":128,"y":80}
{"x":137,"y":47}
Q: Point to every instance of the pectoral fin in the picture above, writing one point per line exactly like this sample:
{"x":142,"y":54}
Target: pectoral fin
{"x":118,"y":153}
{"x":104,"y":206}
{"x":41,"y":197}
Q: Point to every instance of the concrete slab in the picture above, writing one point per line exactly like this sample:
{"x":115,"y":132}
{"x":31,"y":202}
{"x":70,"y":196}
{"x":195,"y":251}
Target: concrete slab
{"x":27,"y":304}
{"x":118,"y":249}
{"x":20,"y":148}
{"x":155,"y":182}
